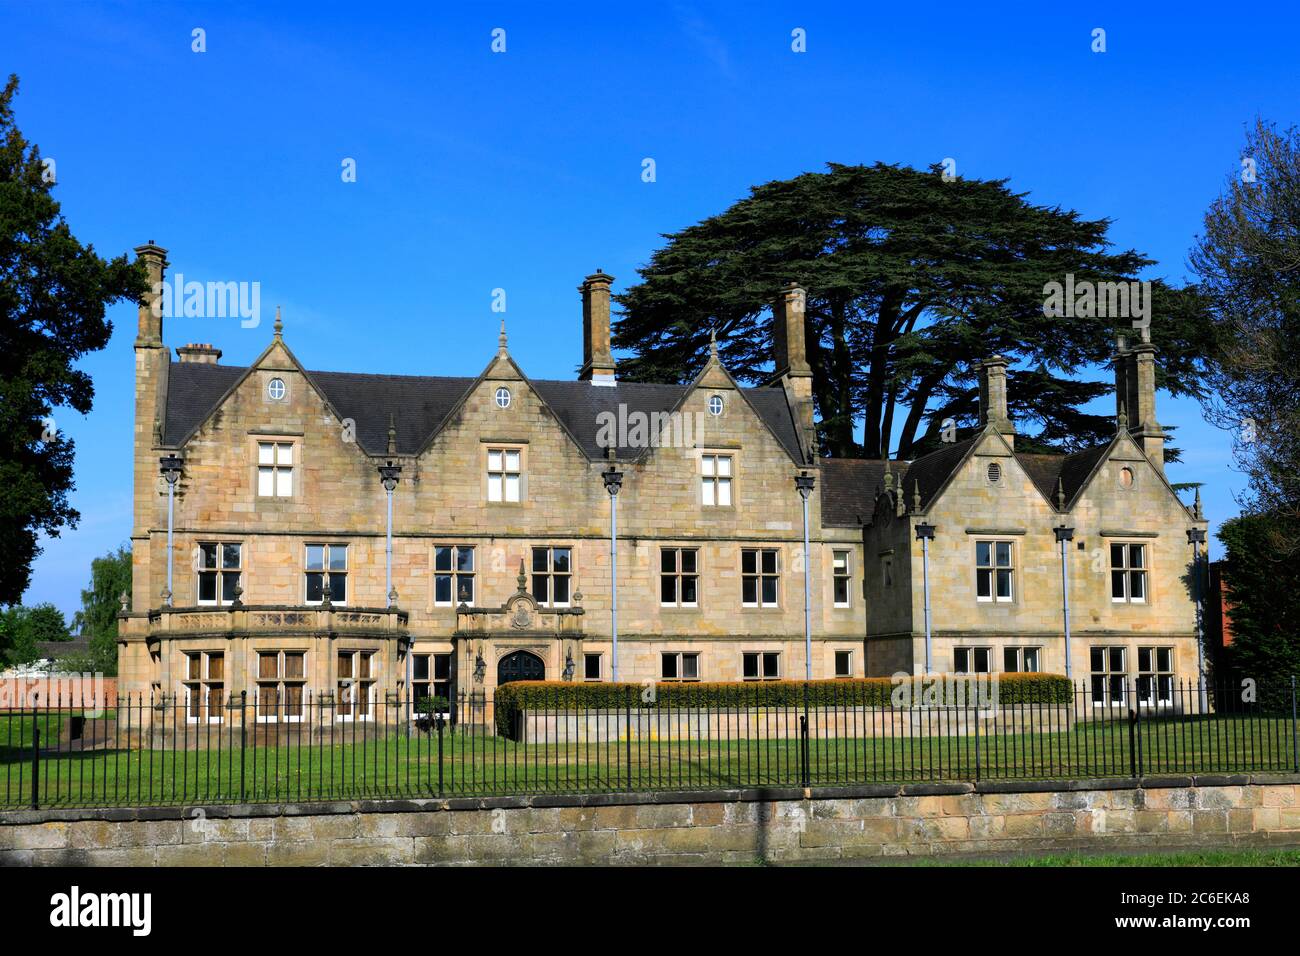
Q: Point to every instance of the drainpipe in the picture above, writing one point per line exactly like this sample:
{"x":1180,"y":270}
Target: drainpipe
{"x":925,"y":534}
{"x":1064,"y":536}
{"x":803,"y":483}
{"x":613,"y":479}
{"x":1196,"y":538}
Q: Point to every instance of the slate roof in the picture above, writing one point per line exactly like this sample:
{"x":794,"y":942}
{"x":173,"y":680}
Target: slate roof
{"x":421,"y":403}
{"x":849,"y":485}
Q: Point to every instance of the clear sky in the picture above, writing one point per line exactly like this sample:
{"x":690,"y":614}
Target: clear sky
{"x":522,"y":170}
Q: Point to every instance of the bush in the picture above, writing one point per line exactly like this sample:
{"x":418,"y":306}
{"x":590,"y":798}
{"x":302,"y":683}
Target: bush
{"x":859,"y":692}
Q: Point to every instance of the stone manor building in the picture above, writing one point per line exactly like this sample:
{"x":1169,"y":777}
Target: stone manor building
{"x":281,"y":480}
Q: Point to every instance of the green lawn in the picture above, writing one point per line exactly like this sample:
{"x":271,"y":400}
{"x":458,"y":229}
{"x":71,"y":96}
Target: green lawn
{"x":1243,"y":857}
{"x":366,"y":761}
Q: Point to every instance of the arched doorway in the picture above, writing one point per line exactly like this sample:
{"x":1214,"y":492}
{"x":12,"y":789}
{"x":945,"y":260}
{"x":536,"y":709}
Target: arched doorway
{"x":521,"y":665}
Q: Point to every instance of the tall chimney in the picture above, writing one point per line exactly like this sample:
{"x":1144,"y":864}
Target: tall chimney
{"x":202,"y":353}
{"x":993,"y":395}
{"x":788,"y":348}
{"x":1141,"y":409}
{"x":155,"y":262}
{"x":597,"y":360}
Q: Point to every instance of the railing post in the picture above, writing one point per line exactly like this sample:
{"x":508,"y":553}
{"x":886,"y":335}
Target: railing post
{"x":805,"y":771}
{"x":1295,"y":741}
{"x":243,"y":740}
{"x":627,"y":733}
{"x":1137,"y":734}
{"x":439,"y":721}
{"x":36,"y":761}
{"x":1132,"y":743}
{"x":976,"y":719}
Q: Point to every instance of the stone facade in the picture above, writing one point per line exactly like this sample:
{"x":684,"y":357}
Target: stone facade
{"x":280,"y":462}
{"x":739,"y":827}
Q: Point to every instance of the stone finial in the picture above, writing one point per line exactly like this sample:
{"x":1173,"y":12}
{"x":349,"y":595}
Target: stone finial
{"x":392,"y":597}
{"x":900,"y":501}
{"x":916,"y":495}
{"x":577,"y":598}
{"x":279,"y":323}
{"x":713,"y":344}
{"x":166,"y":596}
{"x":392,"y":434}
{"x":523,"y":578}
{"x":889,"y":480}
{"x":325,"y":592}
{"x":501,"y":338}
{"x":124,"y":599}
{"x":1196,"y":506}
{"x":1123,"y":418}
{"x":239,"y":594}
{"x":1060,"y":495}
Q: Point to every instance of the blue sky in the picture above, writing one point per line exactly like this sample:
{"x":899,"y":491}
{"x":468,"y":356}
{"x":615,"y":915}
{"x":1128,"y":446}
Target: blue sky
{"x":522,"y":170}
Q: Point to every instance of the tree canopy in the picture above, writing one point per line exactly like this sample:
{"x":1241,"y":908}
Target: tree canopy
{"x":110,"y":578}
{"x":54,"y":292}
{"x":911,"y":278}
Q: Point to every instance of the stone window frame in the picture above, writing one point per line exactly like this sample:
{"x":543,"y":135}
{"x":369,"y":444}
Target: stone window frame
{"x":759,"y":575}
{"x":276,"y":442}
{"x":993,"y":570}
{"x":455,"y":574}
{"x":219,"y":571}
{"x":281,"y":682}
{"x":679,"y":576}
{"x":709,"y":477}
{"x":504,"y":448}
{"x":1020,"y":650}
{"x":1128,"y":569}
{"x":370,"y":683}
{"x":679,"y":659}
{"x":550,"y":574}
{"x":847,"y":672}
{"x":325,"y":569}
{"x":971,"y":651}
{"x":1163,"y":676}
{"x":761,"y":658}
{"x":431,"y":682}
{"x":844,"y":577}
{"x":205,"y":682}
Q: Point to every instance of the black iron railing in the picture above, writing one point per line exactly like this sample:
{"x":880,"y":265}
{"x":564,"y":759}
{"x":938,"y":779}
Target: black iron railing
{"x":176,"y":751}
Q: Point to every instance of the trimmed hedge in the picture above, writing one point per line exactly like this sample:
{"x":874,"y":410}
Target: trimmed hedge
{"x":857,"y":692}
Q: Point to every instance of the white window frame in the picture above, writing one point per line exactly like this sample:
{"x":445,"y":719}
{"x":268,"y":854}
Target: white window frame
{"x":218,"y":571}
{"x":1154,"y":674}
{"x":835,"y":663}
{"x":550,"y":574}
{"x":456,"y":576}
{"x":280,"y":682}
{"x":505,"y":475}
{"x":717,"y":479}
{"x":1127,"y":570}
{"x":1021,"y":654}
{"x":758,"y":576}
{"x":204,"y":683}
{"x":370,"y":685}
{"x":993,"y":570}
{"x":502,"y":397}
{"x":678,"y":576}
{"x":842,"y":575}
{"x":762,"y":658}
{"x":679,"y":659}
{"x":972,"y":654}
{"x":275,"y":466}
{"x":327,"y":571}
{"x":1108,"y":674}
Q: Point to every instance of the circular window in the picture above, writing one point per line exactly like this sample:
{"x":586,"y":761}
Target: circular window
{"x":503,"y":397}
{"x":995,"y":473}
{"x":715,"y":404}
{"x":1126,"y":477}
{"x":275,"y":389}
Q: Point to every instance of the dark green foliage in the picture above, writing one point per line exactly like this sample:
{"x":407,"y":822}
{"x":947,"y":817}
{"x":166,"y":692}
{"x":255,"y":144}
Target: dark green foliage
{"x":1264,"y":590}
{"x":861,"y":692}
{"x":110,"y":578}
{"x":910,"y":281}
{"x":53,"y":295}
{"x":22,"y":628}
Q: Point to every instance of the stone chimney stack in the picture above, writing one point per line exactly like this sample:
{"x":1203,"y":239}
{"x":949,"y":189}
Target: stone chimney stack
{"x":1141,"y":410}
{"x":155,"y":263}
{"x":788,"y":348}
{"x":993,"y":396}
{"x":201,"y":352}
{"x":597,"y":359}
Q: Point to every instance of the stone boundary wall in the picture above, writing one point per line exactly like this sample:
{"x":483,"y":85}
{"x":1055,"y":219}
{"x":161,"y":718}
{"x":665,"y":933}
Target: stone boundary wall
{"x":736,"y":826}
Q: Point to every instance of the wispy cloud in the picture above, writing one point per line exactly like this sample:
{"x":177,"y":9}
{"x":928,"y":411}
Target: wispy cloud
{"x":702,"y":35}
